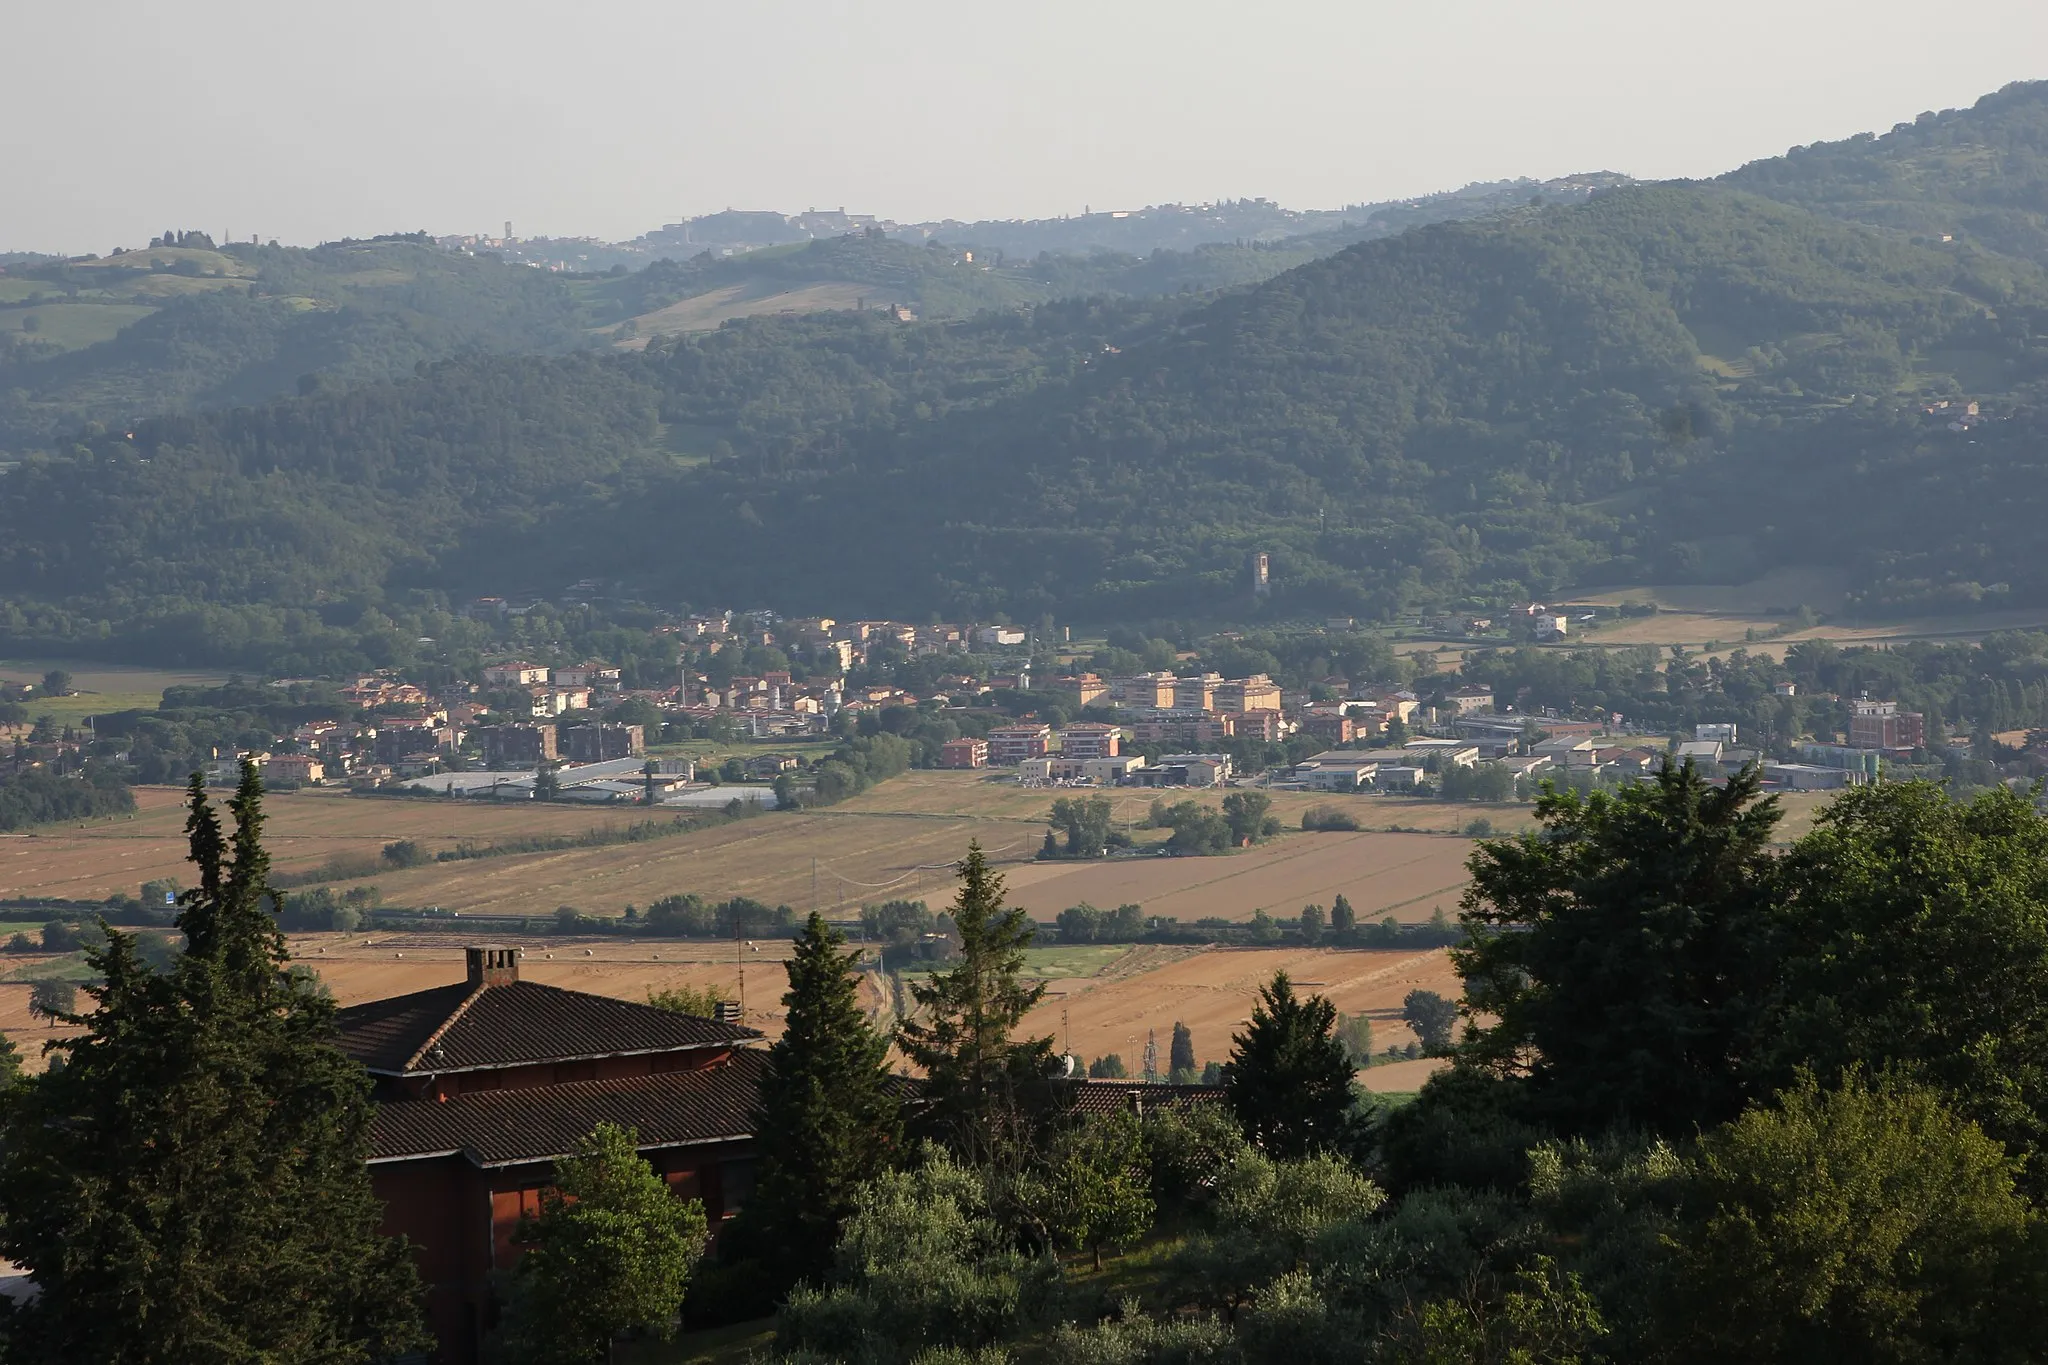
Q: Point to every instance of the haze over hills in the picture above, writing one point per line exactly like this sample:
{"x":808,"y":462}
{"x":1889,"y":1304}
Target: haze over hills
{"x":1140,"y":231}
{"x":110,"y":340}
{"x":1687,"y":382}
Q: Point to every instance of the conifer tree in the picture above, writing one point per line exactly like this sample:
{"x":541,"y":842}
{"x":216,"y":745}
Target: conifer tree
{"x":828,"y":1120}
{"x":976,"y":1076}
{"x":190,"y":1184}
{"x":1182,"y":1054}
{"x":1289,"y":1080}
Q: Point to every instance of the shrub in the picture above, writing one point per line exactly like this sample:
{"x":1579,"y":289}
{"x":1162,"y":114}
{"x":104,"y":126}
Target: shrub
{"x":923,"y":1263}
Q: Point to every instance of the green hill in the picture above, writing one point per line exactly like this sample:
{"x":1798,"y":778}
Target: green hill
{"x":108,"y":341}
{"x":1965,"y":176}
{"x":1683,"y":382}
{"x":112,"y":339}
{"x":1667,"y":381}
{"x":936,"y":281}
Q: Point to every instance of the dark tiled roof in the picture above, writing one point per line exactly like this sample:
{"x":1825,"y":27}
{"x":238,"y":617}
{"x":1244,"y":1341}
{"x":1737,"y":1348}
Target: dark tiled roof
{"x":460,"y":1028}
{"x":507,"y":1127}
{"x":384,"y":1034}
{"x":1112,"y":1097}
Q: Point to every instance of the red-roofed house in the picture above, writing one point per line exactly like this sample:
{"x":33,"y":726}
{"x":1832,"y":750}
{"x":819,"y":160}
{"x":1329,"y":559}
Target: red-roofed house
{"x":481,"y":1084}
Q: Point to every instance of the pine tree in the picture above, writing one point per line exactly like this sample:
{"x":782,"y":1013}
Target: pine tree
{"x":828,"y":1120}
{"x":1289,"y":1081}
{"x":190,"y":1184}
{"x":975,"y":1075}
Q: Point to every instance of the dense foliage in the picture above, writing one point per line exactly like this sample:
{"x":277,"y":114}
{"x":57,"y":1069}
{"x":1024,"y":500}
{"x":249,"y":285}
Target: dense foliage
{"x":1718,"y":1099}
{"x":828,"y":1119}
{"x":612,"y":1248}
{"x":1977,"y":175}
{"x":36,"y":797}
{"x":981,"y":1081}
{"x":229,"y":1216}
{"x":205,"y":326}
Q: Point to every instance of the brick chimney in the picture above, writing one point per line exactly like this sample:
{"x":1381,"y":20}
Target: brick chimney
{"x":492,"y":966}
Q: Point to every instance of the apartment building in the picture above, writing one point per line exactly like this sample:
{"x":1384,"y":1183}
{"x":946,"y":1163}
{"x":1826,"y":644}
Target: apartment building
{"x":1009,"y":745}
{"x":1084,"y":740}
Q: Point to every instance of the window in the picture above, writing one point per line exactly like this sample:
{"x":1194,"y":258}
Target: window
{"x":736,"y":1184}
{"x":507,"y":1208}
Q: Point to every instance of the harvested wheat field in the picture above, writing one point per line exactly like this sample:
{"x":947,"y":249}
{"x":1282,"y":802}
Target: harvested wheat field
{"x":1406,"y":876}
{"x":1401,"y":1077}
{"x":859,"y":858}
{"x":899,"y":839}
{"x":996,"y":796}
{"x":303,"y":830}
{"x":26,"y":1031}
{"x":1093,"y":1007}
{"x":359,"y":967}
{"x":1212,"y":991}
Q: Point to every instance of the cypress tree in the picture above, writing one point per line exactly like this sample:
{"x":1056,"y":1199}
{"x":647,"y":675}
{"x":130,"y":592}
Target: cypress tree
{"x":1182,"y":1053}
{"x":828,"y":1120}
{"x":975,"y":1075}
{"x":1343,"y":919}
{"x":1289,"y":1080}
{"x":190,"y":1184}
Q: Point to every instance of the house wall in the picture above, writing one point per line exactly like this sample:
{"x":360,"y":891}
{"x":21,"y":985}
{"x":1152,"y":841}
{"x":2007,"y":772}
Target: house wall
{"x":461,"y":1220}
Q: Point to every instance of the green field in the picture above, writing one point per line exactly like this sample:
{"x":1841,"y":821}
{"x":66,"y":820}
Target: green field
{"x":73,"y":325}
{"x":97,"y":688}
{"x":1061,"y":963}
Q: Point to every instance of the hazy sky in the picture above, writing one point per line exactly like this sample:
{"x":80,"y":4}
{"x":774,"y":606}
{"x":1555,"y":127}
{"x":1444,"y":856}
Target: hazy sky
{"x":302,"y":121}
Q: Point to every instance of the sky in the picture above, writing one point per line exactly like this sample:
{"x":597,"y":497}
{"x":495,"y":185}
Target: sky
{"x":306,"y":122}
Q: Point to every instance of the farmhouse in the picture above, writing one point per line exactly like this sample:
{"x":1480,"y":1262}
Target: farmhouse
{"x":481,"y":1084}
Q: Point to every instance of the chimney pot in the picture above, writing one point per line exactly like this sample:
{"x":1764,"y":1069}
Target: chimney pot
{"x":490,"y":965}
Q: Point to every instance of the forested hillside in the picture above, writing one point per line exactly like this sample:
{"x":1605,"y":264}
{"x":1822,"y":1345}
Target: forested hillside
{"x":113,"y":339}
{"x":186,"y":325}
{"x":938,"y":282}
{"x":1667,"y":381}
{"x":1976,"y":175}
